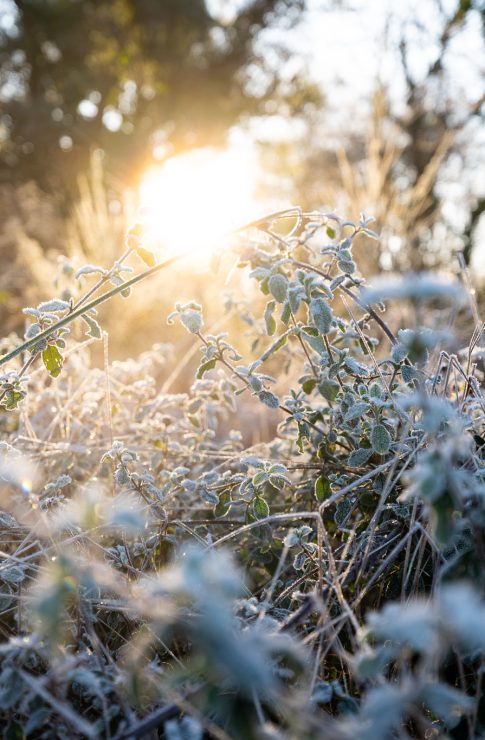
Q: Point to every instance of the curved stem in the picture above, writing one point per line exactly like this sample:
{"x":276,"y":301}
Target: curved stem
{"x":65,"y":320}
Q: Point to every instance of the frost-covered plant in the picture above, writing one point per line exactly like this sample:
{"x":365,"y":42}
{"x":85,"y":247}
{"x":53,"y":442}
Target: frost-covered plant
{"x":359,"y":527}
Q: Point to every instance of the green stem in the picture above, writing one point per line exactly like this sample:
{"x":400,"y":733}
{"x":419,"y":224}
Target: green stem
{"x":85,"y":308}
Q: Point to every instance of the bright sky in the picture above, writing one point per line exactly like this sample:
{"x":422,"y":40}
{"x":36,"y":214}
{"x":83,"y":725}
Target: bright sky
{"x":351,"y":46}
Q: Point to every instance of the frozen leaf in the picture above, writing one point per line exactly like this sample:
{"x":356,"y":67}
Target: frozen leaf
{"x":321,"y":314}
{"x":260,"y":507}
{"x":329,"y":389}
{"x":278,"y":286}
{"x":205,"y":367}
{"x":14,"y":574}
{"x":89,"y":270}
{"x":269,"y":399}
{"x":380,"y":439}
{"x":359,"y":457}
{"x":94,"y":328}
{"x":53,"y":306}
{"x":356,"y":411}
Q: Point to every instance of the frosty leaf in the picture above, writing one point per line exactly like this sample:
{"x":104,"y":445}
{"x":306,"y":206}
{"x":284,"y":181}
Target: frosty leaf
{"x":359,"y":457}
{"x":260,"y":508}
{"x":205,"y":367}
{"x":94,"y":328}
{"x":413,"y":624}
{"x":398,"y":353}
{"x":32,"y":331}
{"x":447,"y":703}
{"x":269,"y":399}
{"x":89,"y":270}
{"x":280,"y":342}
{"x":463,"y":614}
{"x":53,"y":306}
{"x":346,"y":266}
{"x":278,"y":286}
{"x":321,"y":314}
{"x":380,"y":439}
{"x":14,"y":574}
{"x":359,"y":409}
{"x":355,"y":367}
{"x":329,"y":389}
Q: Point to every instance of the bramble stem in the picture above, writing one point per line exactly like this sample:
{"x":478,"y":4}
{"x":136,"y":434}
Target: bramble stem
{"x":85,"y":308}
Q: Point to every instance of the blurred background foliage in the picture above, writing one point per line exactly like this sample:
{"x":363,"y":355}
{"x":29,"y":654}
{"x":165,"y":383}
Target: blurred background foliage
{"x":94,"y":93}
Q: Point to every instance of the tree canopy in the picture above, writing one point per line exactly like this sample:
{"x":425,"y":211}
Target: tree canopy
{"x":132,"y":77}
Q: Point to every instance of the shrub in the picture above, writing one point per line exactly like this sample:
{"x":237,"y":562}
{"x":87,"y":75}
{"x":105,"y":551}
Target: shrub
{"x":158,"y":576}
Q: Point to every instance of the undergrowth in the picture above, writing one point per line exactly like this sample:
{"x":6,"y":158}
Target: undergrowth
{"x":160,"y":579}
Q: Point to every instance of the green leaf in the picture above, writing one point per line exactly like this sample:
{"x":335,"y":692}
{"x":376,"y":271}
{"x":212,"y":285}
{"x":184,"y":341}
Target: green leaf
{"x":52,"y":360}
{"x":209,"y":365}
{"x":322,"y":488}
{"x":285,"y":315}
{"x":310,"y":331}
{"x":278,"y":344}
{"x":221,"y":509}
{"x":308,"y":385}
{"x":268,"y":318}
{"x":260,"y":478}
{"x":329,"y":389}
{"x":321,"y":314}
{"x":278,"y":286}
{"x":380,"y":439}
{"x":260,"y":507}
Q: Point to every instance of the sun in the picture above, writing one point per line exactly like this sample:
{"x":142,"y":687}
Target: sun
{"x":194,"y":200}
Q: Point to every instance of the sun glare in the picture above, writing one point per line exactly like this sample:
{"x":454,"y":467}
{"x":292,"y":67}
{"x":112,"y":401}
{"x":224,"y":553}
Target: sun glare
{"x":194,"y":200}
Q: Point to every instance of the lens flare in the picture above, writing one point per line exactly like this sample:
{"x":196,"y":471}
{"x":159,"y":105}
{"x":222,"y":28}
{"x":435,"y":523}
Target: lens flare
{"x":194,"y":200}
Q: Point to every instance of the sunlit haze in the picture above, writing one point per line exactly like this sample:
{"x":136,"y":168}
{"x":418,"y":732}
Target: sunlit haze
{"x":194,"y":200}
